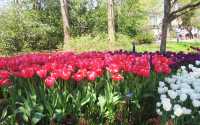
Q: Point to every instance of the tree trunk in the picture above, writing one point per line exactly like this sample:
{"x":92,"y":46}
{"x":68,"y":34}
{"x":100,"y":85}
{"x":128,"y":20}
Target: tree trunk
{"x":65,"y":17}
{"x":165,"y":24}
{"x":111,"y":21}
{"x":34,"y":4}
{"x":16,"y":1}
{"x":164,"y":36}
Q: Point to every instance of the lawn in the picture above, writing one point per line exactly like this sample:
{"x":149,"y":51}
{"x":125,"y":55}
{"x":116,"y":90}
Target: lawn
{"x":171,"y":46}
{"x":82,"y":44}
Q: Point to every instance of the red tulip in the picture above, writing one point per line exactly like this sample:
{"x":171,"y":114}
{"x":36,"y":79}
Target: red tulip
{"x":42,"y":73}
{"x":27,"y":73}
{"x":50,"y":82}
{"x":70,"y":68}
{"x":91,"y":75}
{"x":55,"y":74}
{"x":47,"y":67}
{"x":99,"y":72}
{"x":4,"y":82}
{"x":83,"y":72}
{"x":145,"y":73}
{"x":161,"y":64}
{"x":78,"y":76}
{"x":65,"y":74}
{"x":117,"y":77}
{"x":4,"y":74}
{"x":113,"y":68}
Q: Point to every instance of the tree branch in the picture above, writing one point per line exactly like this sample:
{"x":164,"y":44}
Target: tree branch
{"x":173,"y":3}
{"x":180,"y":13}
{"x":188,"y":6}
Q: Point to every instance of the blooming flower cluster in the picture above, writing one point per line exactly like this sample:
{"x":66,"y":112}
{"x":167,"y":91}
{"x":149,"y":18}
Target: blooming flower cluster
{"x":84,"y":66}
{"x":161,"y":64}
{"x":180,"y":94}
{"x":181,"y":58}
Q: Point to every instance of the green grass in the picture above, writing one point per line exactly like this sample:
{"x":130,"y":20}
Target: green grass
{"x":100,"y":43}
{"x":171,"y":46}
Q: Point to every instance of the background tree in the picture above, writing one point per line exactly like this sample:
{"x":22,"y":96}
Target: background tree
{"x":65,"y":16}
{"x":25,"y":27}
{"x":187,"y":22}
{"x":132,"y":17}
{"x":170,"y":14}
{"x":195,"y":19}
{"x":111,"y":21}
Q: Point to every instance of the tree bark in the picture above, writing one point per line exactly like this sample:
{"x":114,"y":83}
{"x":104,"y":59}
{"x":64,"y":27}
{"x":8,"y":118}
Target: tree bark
{"x":164,"y":36}
{"x":111,"y":21}
{"x":170,"y":15}
{"x":65,"y":17}
{"x":16,"y":1}
{"x":165,"y":24}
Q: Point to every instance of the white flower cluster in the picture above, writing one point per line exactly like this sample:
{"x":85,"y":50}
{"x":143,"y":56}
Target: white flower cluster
{"x":180,"y":94}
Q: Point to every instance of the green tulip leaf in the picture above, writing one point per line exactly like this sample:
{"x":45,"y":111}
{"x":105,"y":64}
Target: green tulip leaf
{"x":101,"y":102}
{"x":25,"y":117}
{"x":37,"y":117}
{"x":85,"y":100}
{"x":4,"y":113}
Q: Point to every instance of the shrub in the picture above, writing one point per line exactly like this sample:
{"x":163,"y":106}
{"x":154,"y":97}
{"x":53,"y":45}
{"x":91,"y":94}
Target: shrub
{"x":22,"y":30}
{"x":144,"y":38}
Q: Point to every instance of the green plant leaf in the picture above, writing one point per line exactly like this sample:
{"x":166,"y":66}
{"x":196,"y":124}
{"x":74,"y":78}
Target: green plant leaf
{"x":37,"y":117}
{"x":85,"y":100}
{"x":33,"y":99}
{"x":4,"y":113}
{"x":21,"y":110}
{"x":58,"y":111}
{"x":27,"y":108}
{"x":40,"y":108}
{"x":25,"y":117}
{"x":101,"y":103}
{"x":115,"y":99}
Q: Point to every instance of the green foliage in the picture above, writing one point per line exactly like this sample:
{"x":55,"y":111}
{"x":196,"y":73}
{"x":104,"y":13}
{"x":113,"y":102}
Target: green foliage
{"x":144,"y":38}
{"x":131,"y":17}
{"x":108,"y":102}
{"x":87,"y":18}
{"x":23,"y":30}
{"x":25,"y":27}
{"x":186,"y":19}
{"x":99,"y":102}
{"x":195,"y":19}
{"x":11,"y":29}
{"x":98,"y":43}
{"x":30,"y":111}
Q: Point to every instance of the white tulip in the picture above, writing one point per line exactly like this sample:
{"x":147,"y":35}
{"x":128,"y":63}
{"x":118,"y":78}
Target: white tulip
{"x":178,"y":111}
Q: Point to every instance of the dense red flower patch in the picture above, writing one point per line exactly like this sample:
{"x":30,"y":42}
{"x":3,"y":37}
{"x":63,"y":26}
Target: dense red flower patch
{"x":84,"y":66}
{"x":161,"y":64}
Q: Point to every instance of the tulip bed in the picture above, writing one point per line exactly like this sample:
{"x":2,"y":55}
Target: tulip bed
{"x":93,"y":88}
{"x":180,"y":96}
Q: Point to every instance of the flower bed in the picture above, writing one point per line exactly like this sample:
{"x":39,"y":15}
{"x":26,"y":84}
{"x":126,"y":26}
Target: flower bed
{"x":87,"y":88}
{"x":180,"y":96}
{"x":94,"y":87}
{"x":80,"y":67}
